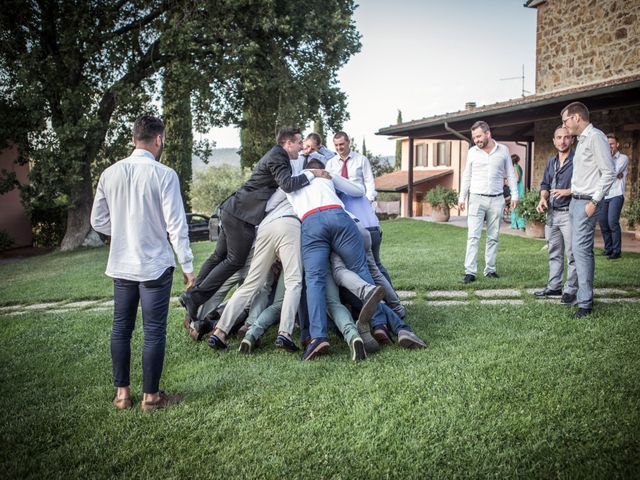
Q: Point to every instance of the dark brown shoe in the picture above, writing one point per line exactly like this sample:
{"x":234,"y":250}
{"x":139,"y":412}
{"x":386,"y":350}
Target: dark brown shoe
{"x":122,"y":403}
{"x":163,"y":401}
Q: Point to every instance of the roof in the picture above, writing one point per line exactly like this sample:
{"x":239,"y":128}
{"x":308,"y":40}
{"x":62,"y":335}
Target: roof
{"x":399,"y":181}
{"x":513,"y":120}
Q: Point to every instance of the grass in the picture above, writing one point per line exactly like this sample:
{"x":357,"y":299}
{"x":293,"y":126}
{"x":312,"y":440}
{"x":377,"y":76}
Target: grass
{"x":502,"y":391}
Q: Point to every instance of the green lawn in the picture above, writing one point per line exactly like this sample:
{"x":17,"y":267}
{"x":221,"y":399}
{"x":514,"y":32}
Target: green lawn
{"x":502,"y":390}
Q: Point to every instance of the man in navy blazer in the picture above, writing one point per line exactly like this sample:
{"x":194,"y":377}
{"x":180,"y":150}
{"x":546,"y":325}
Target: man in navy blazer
{"x":243,"y":211}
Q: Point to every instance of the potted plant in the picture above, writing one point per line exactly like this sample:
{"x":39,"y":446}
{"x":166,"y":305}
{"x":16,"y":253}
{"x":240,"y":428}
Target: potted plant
{"x":441,"y":200}
{"x":632,"y":214}
{"x":535,"y":220}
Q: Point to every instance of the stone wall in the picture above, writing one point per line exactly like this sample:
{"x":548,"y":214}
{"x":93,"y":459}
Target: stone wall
{"x":580,"y":42}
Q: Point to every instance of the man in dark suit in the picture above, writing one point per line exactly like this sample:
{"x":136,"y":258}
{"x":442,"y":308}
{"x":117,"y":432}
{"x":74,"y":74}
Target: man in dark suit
{"x":242,"y":211}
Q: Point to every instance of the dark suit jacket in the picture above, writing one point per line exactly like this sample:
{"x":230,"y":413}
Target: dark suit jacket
{"x":272,"y":171}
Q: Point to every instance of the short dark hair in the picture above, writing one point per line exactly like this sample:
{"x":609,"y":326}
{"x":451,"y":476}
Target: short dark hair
{"x":146,"y":128}
{"x":317,"y":139}
{"x":613,"y":135}
{"x":481,"y":124}
{"x":315,"y":163}
{"x":577,"y":107}
{"x":515,"y":158}
{"x":558,"y":128}
{"x":341,"y":134}
{"x":287,"y":134}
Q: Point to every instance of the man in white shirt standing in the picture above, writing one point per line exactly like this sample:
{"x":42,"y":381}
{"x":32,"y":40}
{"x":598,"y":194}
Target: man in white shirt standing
{"x":593,"y":175}
{"x":138,"y":203}
{"x":488,"y":164}
{"x":612,"y":204}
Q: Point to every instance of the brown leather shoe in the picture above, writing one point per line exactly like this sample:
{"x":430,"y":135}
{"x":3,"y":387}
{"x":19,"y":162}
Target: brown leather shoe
{"x":163,"y":401}
{"x":122,"y":403}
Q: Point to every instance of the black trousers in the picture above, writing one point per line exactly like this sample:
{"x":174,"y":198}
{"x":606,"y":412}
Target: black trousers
{"x":230,"y":255}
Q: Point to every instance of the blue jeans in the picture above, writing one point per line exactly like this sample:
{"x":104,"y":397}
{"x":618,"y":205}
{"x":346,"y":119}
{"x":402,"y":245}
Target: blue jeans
{"x":153,"y":296}
{"x":609,"y":219}
{"x":323,"y":232}
{"x":583,"y":231}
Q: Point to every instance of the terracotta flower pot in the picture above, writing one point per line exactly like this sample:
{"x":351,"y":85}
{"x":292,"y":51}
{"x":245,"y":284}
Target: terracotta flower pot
{"x":440,"y":214}
{"x":535,"y":229}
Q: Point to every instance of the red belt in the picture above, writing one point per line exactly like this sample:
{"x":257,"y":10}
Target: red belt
{"x":319,"y":209}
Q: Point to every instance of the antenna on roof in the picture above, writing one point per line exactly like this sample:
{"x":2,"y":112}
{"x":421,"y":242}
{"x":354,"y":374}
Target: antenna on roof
{"x":519,"y":78}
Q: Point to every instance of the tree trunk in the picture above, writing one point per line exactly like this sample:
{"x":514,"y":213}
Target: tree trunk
{"x":78,"y":216}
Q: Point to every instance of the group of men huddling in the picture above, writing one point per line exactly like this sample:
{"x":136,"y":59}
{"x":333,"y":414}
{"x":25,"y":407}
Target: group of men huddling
{"x":302,"y":241}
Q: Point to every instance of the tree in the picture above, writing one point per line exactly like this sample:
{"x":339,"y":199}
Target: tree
{"x":398,"y":165}
{"x":75,"y":75}
{"x":292,"y":79}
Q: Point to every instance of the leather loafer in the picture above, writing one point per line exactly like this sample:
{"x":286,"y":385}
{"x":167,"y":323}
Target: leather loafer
{"x":583,"y":312}
{"x":122,"y":403}
{"x":548,"y":293}
{"x":468,"y":278}
{"x":163,"y":401}
{"x":568,"y":299}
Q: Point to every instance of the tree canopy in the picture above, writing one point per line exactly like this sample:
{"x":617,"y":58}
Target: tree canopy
{"x":75,"y":74}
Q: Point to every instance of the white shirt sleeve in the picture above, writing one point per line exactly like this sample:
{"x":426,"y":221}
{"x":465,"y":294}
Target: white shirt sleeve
{"x":511,"y":176}
{"x":369,"y":180}
{"x":347,"y":186}
{"x":466,"y":181}
{"x":100,"y":216}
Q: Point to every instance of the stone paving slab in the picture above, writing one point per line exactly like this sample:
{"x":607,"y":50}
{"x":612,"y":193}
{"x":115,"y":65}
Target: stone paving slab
{"x":618,"y":300}
{"x":502,"y":301}
{"x":81,"y":304}
{"x":439,"y":303}
{"x":41,"y":306}
{"x":108,"y":303}
{"x":447,"y":293}
{"x":609,"y":291}
{"x":10,"y":308}
{"x":505,"y":292}
{"x":406,"y":293}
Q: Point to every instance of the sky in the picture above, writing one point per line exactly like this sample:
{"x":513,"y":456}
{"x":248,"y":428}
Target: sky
{"x":429,"y":57}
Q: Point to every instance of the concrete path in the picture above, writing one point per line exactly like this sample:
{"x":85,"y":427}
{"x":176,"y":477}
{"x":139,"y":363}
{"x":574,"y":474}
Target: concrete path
{"x":508,"y":296}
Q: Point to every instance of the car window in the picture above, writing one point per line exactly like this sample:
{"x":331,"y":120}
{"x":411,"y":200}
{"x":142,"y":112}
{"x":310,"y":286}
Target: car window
{"x":198,"y":220}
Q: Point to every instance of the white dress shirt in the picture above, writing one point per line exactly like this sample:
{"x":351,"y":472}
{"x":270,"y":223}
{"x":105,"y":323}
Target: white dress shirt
{"x":593,"y":169}
{"x":138,"y":203}
{"x":484,"y":173}
{"x":359,"y":169}
{"x":621,"y":162}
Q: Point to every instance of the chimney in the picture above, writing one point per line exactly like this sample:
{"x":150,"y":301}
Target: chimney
{"x":470,"y":106}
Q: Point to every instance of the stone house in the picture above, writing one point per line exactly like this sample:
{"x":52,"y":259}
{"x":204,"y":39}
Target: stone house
{"x":586,"y":50}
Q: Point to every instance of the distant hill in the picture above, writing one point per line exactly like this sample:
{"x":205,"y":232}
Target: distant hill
{"x":221,"y":156}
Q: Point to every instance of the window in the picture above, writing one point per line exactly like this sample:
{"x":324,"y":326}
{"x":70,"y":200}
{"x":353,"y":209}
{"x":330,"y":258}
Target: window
{"x":421,"y":155}
{"x":442,"y":154}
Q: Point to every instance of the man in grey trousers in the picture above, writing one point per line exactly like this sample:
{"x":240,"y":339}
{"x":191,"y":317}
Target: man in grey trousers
{"x":555,"y":197}
{"x":593,"y":175}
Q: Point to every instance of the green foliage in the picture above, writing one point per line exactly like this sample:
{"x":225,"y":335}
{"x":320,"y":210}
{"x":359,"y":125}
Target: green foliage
{"x":379,"y":166}
{"x":632,"y":212}
{"x":176,"y":106}
{"x":388,"y":197}
{"x":527,"y":207}
{"x":6,"y":242}
{"x":399,"y":144}
{"x":440,"y":196}
{"x":211,"y":186}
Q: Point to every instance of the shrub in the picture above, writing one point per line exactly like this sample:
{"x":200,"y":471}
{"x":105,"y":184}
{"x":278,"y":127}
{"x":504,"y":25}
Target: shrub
{"x":632,"y":212}
{"x":211,"y":186}
{"x":6,"y":242}
{"x":440,"y":197}
{"x":527,"y":207}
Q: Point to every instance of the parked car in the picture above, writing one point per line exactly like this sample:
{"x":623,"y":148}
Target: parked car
{"x":198,"y":227}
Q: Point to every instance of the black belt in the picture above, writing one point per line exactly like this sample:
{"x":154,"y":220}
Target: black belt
{"x":561,"y":209}
{"x":582,"y":197}
{"x":487,"y":195}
